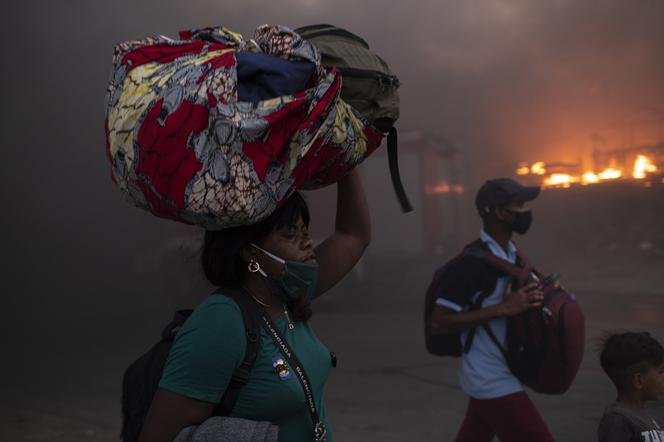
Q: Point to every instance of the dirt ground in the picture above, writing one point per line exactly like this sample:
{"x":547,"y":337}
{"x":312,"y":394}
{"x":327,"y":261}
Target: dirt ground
{"x":385,"y":388}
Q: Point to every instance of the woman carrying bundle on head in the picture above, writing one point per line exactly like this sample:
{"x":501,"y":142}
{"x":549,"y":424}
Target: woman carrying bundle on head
{"x":220,"y":132}
{"x":275,"y":264}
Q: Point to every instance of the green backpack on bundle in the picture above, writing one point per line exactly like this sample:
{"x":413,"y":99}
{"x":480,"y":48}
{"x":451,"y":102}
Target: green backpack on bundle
{"x":369,"y":86}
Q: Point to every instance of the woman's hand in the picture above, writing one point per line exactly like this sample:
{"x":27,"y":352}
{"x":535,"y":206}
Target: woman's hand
{"x":340,"y":251}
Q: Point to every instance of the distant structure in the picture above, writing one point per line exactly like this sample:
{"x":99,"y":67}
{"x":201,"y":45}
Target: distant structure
{"x":429,"y":170}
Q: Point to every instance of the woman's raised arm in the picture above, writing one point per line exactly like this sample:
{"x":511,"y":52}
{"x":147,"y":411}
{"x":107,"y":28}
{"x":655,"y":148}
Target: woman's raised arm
{"x":340,"y":251}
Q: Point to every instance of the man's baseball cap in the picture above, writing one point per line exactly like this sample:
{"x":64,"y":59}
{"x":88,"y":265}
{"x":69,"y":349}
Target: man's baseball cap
{"x":501,"y":192}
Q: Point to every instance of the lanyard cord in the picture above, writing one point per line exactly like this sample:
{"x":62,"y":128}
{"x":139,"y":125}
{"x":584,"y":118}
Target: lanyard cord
{"x":287,"y":352}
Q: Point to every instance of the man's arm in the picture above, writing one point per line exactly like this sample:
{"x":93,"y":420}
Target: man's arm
{"x":447,"y":321}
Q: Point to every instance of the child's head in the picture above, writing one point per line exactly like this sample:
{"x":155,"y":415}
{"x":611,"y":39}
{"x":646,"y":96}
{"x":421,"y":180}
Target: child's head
{"x":634,"y":362}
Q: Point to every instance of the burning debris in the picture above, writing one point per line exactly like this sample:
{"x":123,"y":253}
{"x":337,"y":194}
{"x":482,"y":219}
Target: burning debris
{"x":643,"y":166}
{"x":623,"y":165}
{"x":445,"y":187}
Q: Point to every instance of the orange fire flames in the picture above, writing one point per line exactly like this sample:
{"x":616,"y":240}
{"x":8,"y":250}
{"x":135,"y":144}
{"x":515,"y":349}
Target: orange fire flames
{"x":643,"y":166}
{"x":445,"y":187}
{"x":560,"y":180}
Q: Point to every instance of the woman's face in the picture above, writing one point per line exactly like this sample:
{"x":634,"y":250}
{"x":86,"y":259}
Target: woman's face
{"x":288,"y":243}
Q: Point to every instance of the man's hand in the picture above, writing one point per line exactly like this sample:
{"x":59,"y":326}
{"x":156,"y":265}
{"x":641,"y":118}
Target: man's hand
{"x":525,"y":298}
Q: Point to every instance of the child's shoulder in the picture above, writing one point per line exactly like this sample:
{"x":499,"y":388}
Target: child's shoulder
{"x":615,"y":426}
{"x":619,"y":417}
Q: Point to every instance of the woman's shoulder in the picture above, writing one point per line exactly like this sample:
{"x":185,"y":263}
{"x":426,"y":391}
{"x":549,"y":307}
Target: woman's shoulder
{"x":206,"y":351}
{"x":219,"y":301}
{"x":218,"y":313}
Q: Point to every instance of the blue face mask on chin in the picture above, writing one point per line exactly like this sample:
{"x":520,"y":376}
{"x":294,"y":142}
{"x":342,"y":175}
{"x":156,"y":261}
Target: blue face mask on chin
{"x":298,"y":280}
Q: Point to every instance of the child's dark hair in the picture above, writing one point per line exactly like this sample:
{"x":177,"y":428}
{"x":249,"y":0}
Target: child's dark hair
{"x":625,"y":352}
{"x":221,"y":260}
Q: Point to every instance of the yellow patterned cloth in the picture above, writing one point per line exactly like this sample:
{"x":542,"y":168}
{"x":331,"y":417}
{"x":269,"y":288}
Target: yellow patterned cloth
{"x":183,"y":145}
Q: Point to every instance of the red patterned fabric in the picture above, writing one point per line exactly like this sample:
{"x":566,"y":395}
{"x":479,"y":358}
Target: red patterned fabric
{"x":182,"y":145}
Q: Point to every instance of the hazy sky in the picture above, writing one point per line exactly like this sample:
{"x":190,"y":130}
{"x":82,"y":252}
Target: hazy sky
{"x":520,"y":76}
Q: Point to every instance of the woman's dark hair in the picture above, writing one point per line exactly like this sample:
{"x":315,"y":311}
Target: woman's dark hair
{"x":622,"y":353}
{"x":222,"y":263}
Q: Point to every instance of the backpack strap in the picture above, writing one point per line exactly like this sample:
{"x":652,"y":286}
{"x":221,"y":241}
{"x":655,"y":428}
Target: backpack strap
{"x":516,"y":272}
{"x":251,"y":318}
{"x":502,"y":265}
{"x":479,"y":249}
{"x":476,"y":306}
{"x":520,"y":271}
{"x":495,"y":340}
{"x":393,"y":159}
{"x":173,"y":327}
{"x":522,"y":259}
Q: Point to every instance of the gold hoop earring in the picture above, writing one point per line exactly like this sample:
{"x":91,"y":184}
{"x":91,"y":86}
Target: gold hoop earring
{"x":253,"y":266}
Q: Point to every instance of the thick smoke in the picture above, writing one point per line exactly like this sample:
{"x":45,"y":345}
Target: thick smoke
{"x":504,"y":80}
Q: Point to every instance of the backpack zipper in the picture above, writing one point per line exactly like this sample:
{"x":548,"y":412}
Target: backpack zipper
{"x":389,"y":80}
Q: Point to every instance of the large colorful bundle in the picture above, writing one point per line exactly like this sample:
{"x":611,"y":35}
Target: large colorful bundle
{"x":218,"y":131}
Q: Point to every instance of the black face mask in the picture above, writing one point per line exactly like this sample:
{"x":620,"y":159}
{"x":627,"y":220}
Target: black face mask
{"x":522,"y":221}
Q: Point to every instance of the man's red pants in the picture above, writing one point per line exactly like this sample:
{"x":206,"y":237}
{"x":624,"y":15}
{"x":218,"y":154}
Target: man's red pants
{"x":513,"y":418}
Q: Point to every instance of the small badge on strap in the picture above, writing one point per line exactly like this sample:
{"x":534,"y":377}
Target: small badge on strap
{"x":281,"y":368}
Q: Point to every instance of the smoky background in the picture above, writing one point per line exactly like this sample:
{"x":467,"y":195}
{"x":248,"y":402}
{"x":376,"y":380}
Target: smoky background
{"x":88,"y":280}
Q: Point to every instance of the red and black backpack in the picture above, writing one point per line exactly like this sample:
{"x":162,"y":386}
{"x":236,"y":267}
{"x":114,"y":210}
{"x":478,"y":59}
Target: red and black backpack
{"x":545,"y":345}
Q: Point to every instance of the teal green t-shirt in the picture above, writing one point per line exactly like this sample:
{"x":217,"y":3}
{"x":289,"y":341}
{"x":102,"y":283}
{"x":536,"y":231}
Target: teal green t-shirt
{"x":211,"y":345}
